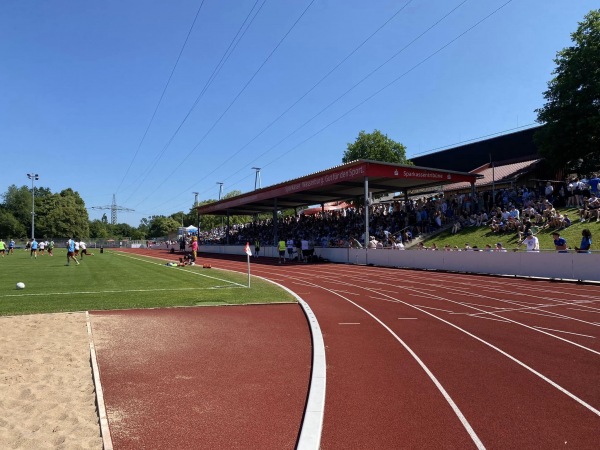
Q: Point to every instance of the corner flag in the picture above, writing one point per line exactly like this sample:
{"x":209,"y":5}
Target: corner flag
{"x":247,"y":249}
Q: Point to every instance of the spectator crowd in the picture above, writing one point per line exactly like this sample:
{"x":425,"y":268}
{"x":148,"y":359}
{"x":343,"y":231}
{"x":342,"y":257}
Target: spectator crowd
{"x":519,"y":210}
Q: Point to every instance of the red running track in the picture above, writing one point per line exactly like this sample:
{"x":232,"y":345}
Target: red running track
{"x":435,"y":360}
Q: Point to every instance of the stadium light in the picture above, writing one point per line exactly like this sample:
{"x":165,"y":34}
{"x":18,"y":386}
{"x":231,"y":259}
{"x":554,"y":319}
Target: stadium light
{"x":33,"y":177}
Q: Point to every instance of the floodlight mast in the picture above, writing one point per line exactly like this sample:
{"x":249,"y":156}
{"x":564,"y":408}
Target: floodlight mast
{"x":257,"y":180}
{"x":33,"y":176}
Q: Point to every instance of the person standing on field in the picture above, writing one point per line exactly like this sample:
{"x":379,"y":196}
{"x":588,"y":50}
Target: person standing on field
{"x":281,"y":246}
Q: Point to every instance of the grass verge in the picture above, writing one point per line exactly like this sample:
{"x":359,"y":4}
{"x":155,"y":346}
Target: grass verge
{"x":114,"y":280}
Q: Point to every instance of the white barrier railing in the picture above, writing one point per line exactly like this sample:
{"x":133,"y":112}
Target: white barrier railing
{"x":571,"y":266}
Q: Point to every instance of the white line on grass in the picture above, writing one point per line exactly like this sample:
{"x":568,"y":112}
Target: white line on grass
{"x":117,"y":291}
{"x":183,"y":270}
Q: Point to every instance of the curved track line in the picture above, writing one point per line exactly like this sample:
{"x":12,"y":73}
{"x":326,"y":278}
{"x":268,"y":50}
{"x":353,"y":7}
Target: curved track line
{"x":435,"y":381}
{"x":489,"y":313}
{"x":502,"y":352}
{"x":314,"y":411}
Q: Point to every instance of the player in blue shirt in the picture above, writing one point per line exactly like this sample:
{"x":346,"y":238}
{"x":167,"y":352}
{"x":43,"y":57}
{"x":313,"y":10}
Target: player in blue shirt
{"x":71,"y":251}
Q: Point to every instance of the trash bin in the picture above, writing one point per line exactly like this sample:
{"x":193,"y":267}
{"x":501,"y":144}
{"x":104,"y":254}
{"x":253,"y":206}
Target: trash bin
{"x":101,"y":249}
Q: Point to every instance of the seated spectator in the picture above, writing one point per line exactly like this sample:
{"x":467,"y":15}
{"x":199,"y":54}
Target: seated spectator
{"x":500,"y":248}
{"x":590,"y":209}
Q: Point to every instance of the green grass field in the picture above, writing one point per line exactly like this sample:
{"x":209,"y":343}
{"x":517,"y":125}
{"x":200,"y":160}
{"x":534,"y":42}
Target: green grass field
{"x":114,"y":280}
{"x":480,"y":236}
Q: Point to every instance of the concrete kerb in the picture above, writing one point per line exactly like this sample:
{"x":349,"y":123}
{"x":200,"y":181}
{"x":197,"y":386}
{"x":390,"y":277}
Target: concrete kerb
{"x":104,"y":428}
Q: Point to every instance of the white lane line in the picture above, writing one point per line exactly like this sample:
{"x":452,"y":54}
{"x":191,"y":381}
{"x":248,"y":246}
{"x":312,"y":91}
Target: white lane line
{"x":585,"y":310}
{"x":437,"y":309}
{"x":502,"y":352}
{"x":475,"y":316}
{"x":566,"y":332}
{"x":469,"y":429}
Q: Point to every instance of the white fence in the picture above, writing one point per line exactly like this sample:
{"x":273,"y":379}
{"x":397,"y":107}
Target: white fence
{"x":570,"y":266}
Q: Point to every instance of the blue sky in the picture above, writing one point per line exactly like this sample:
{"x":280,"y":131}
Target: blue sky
{"x":81,"y":81}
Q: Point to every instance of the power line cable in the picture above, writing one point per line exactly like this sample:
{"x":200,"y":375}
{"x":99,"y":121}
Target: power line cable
{"x":342,"y":95}
{"x":232,"y":46}
{"x":281,"y":155}
{"x":499,"y":133}
{"x":430,"y":56}
{"x":232,"y":102}
{"x":394,"y":81}
{"x":161,"y":96}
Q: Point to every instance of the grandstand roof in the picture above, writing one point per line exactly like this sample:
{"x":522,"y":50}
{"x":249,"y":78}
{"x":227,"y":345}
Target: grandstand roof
{"x":342,"y":182}
{"x":506,"y":173}
{"x":513,"y":147}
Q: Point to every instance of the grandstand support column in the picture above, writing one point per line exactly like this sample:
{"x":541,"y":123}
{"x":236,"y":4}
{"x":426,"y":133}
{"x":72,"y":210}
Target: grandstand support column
{"x":228,"y":229}
{"x":367,"y":214}
{"x":473,"y":197}
{"x":275,"y":224}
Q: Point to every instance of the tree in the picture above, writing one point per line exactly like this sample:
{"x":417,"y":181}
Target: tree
{"x":570,"y":137}
{"x":10,"y":227}
{"x":375,"y":146}
{"x":62,"y":215}
{"x":161,"y":226}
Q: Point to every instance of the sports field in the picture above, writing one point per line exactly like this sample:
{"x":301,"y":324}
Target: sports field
{"x":115,"y":280}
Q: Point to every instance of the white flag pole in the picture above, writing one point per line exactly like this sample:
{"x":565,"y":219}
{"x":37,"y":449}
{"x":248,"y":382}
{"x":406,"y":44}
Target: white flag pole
{"x":248,"y":254}
{"x":248,"y":257}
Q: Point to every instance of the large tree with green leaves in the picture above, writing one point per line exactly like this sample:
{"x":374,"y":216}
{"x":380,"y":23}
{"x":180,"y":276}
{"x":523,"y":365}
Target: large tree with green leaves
{"x":62,"y":215}
{"x":375,"y":146}
{"x":570,"y":136}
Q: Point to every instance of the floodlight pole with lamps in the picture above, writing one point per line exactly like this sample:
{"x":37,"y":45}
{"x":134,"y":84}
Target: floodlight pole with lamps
{"x":257,"y":181}
{"x":33,"y":177}
{"x":220,"y":183}
{"x":197,"y":215}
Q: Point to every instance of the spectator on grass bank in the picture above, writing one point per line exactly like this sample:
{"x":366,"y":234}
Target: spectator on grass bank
{"x":586,"y":242}
{"x":532,"y":242}
{"x":500,"y":248}
{"x":560,"y":244}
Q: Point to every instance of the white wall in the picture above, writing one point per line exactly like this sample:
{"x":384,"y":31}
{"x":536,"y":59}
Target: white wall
{"x":573,"y":266}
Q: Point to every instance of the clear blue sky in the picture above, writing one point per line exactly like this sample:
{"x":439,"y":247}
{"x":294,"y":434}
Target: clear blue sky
{"x":80,"y":82}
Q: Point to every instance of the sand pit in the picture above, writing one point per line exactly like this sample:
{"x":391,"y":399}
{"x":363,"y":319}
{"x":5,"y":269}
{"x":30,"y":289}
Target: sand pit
{"x":46,"y":390}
